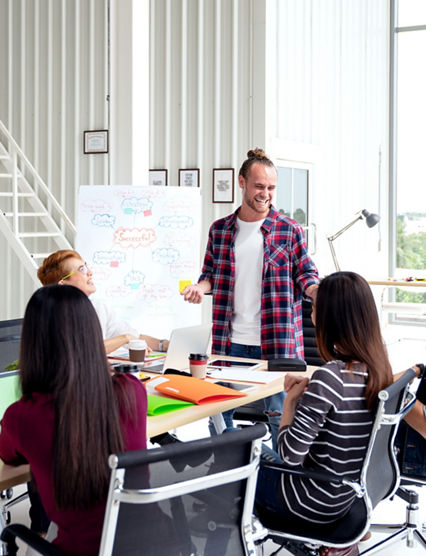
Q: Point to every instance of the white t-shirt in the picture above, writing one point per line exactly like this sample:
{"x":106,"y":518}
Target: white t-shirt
{"x":248,"y":283}
{"x":110,"y":324}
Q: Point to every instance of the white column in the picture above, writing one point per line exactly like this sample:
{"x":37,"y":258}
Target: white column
{"x":129,"y":92}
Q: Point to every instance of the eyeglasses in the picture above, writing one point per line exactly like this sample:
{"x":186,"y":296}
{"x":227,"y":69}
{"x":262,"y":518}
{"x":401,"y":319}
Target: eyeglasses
{"x":83,"y":269}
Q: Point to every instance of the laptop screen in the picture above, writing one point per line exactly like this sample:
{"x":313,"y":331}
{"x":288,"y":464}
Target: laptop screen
{"x":10,"y":390}
{"x":10,"y":338}
{"x":183,"y":341}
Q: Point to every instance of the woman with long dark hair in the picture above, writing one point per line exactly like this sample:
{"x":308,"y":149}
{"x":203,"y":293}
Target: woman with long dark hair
{"x":73,"y":413}
{"x":327,"y":420}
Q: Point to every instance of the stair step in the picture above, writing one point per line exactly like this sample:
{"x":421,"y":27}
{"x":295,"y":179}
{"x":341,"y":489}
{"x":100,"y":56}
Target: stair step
{"x":38,"y":214}
{"x":39,"y":255}
{"x":40,"y":234}
{"x":9,"y":194}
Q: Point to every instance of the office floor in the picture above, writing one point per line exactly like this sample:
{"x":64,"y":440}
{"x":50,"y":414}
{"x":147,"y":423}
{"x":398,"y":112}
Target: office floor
{"x":406,"y":346}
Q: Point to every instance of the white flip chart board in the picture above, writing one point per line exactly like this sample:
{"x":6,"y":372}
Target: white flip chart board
{"x":142,"y":244}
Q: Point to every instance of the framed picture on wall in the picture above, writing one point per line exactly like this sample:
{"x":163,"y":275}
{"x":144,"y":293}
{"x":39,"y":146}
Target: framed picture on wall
{"x":189,"y":177}
{"x":96,"y":141}
{"x":158,"y":177}
{"x":223,"y":185}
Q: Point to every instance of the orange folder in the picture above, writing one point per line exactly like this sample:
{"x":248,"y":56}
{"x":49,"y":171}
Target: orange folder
{"x":195,"y":390}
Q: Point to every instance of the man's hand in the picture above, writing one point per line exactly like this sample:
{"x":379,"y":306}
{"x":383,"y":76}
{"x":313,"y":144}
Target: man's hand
{"x":312,"y":291}
{"x":193,"y":293}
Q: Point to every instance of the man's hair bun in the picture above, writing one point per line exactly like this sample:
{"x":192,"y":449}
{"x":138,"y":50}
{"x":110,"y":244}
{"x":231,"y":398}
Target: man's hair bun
{"x":253,"y":156}
{"x":256,"y":153}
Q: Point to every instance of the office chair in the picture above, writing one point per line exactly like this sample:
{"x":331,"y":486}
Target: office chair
{"x":410,"y":453}
{"x":312,"y":357}
{"x":159,"y":502}
{"x":379,"y":479}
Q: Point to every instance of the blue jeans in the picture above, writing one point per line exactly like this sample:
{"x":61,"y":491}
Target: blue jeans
{"x":272,"y":404}
{"x":268,"y":483}
{"x":411,"y":451}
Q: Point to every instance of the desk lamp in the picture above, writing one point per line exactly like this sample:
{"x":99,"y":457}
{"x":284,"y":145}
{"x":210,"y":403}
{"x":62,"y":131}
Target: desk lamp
{"x":371,"y":220}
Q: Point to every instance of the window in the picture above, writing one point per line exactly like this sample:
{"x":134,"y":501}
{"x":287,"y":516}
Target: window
{"x":292,"y":197}
{"x":409,"y":148}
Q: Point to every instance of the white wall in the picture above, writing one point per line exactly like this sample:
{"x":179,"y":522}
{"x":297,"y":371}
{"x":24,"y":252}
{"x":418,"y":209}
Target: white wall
{"x":327,"y":87}
{"x":205,"y":110}
{"x":53,"y":63}
{"x":64,"y":69}
{"x":306,"y":79}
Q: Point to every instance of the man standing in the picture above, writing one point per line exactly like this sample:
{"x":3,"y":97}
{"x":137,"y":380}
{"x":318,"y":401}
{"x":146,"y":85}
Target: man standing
{"x":257,"y":268}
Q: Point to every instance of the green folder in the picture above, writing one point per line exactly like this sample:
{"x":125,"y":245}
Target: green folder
{"x":157,"y":405}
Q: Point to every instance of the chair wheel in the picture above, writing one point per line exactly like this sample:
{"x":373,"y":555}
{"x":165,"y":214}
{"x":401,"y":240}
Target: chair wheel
{"x":8,"y":517}
{"x":9,"y":493}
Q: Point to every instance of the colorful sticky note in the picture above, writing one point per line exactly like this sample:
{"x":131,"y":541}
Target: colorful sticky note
{"x":183,"y":284}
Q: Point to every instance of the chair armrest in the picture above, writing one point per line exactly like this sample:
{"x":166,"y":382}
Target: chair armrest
{"x":310,"y":474}
{"x":16,"y":530}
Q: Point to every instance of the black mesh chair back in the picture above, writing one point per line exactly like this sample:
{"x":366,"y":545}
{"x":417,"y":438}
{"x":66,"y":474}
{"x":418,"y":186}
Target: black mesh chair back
{"x":182,"y":499}
{"x":10,"y":339}
{"x":381,"y":468}
{"x":312,"y":357}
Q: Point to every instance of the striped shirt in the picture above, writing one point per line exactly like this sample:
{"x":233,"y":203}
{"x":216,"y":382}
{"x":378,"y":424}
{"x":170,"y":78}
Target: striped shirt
{"x":287,"y":272}
{"x":330,"y":431}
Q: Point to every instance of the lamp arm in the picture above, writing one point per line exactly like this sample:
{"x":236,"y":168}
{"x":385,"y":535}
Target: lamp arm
{"x":333,"y":253}
{"x":340,"y":232}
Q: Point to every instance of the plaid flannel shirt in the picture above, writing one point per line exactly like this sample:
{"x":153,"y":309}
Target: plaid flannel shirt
{"x":287,"y":272}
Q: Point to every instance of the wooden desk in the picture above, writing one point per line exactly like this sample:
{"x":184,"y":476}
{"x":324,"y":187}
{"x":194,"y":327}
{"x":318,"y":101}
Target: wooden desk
{"x":400,"y":306}
{"x":398,"y":283}
{"x":11,"y":476}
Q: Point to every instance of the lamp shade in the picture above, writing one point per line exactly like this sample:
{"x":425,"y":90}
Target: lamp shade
{"x":371,"y":218}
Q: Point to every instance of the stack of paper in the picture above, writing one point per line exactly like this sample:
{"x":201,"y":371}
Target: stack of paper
{"x":242,"y":374}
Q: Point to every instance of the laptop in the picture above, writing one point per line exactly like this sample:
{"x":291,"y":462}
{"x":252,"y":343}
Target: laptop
{"x":10,"y":390}
{"x":183,"y":341}
{"x":10,"y":339}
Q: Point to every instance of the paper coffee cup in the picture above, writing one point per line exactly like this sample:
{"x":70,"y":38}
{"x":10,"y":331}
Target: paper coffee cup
{"x":137,"y":349}
{"x":198,"y":365}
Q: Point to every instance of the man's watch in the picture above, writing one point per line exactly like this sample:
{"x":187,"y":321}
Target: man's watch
{"x":161,"y":345}
{"x":422,"y":369}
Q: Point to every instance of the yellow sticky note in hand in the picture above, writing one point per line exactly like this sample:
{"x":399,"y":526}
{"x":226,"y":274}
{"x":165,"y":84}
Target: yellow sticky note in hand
{"x":183,"y":284}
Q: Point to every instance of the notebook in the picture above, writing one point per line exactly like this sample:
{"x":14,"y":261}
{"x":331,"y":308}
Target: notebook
{"x":183,"y":341}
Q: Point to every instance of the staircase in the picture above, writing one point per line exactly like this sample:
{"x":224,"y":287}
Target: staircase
{"x":31,"y":219}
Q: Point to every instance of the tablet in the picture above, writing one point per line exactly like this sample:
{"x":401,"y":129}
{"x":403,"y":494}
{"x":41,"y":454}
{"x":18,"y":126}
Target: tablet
{"x":233,"y":363}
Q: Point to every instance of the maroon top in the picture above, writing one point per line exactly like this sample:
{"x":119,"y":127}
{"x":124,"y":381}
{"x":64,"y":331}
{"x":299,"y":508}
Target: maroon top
{"x":26,"y":435}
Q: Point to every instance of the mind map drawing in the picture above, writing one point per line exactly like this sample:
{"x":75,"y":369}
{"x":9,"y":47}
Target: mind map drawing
{"x":142,"y":243}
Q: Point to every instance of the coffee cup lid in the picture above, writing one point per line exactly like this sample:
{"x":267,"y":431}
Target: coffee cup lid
{"x":137,"y":344}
